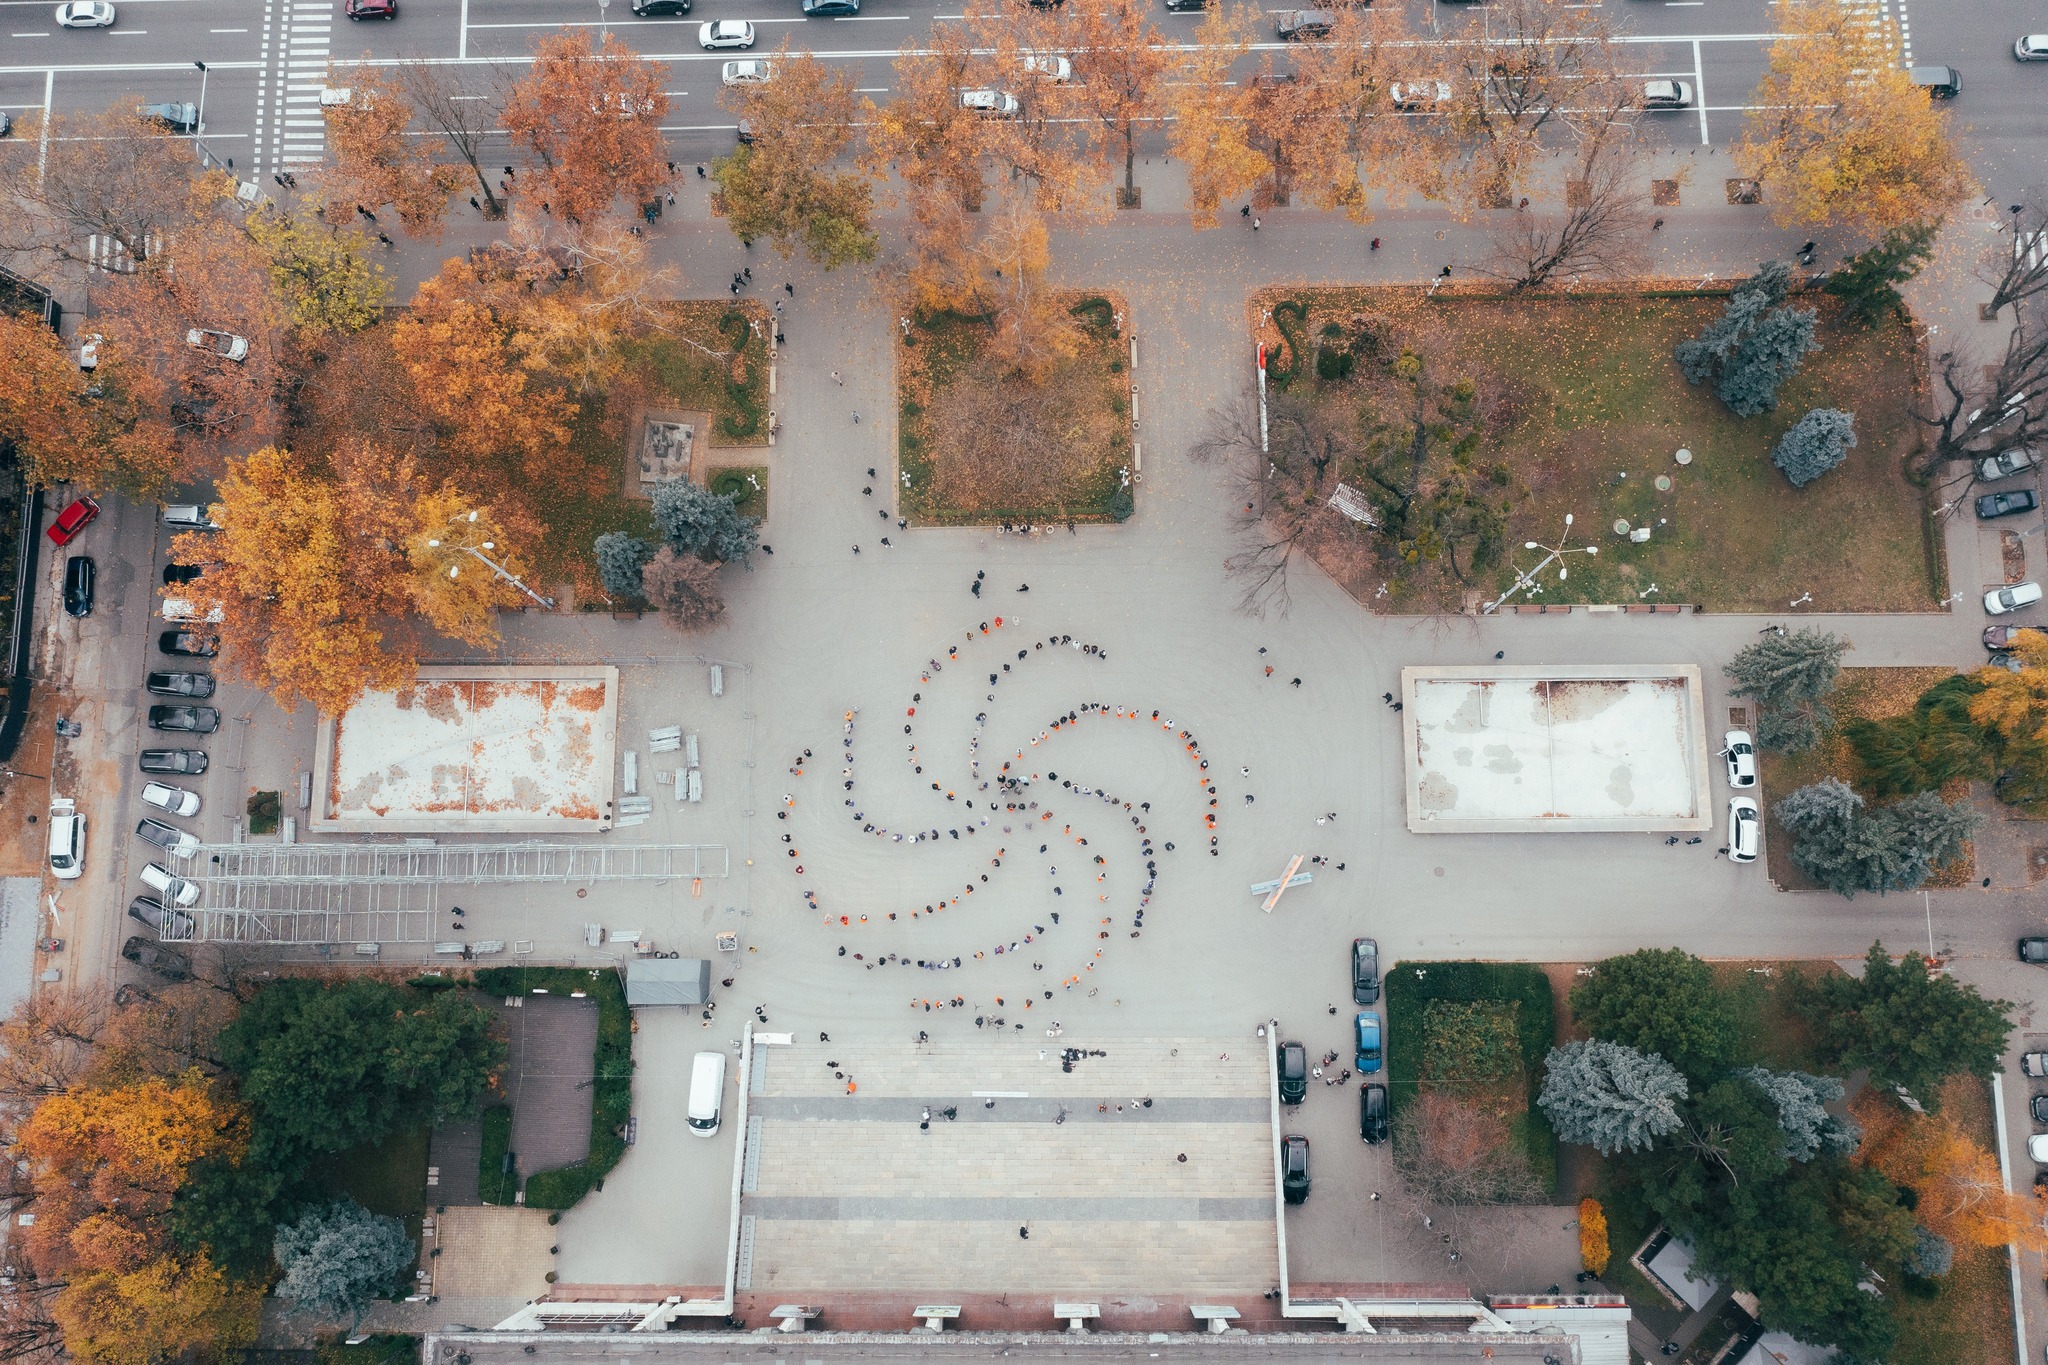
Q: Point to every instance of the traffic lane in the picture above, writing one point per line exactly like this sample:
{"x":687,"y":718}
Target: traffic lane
{"x":423,"y":28}
{"x":229,"y":116}
{"x":509,"y":28}
{"x":145,"y":31}
{"x":2002,"y":114}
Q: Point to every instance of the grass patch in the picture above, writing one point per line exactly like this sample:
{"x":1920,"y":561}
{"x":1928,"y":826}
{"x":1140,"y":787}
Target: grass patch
{"x":1504,"y":990}
{"x":384,"y":1348}
{"x":1968,"y":1317}
{"x":495,"y":1184}
{"x":1859,"y":693}
{"x":388,"y":1176}
{"x":265,"y":809}
{"x":1086,"y":420}
{"x":1583,"y":402}
{"x":611,"y":1096}
{"x":1770,"y":1031}
{"x":748,"y":483}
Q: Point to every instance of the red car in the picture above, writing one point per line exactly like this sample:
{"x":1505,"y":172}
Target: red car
{"x":72,"y":520}
{"x":370,"y":9}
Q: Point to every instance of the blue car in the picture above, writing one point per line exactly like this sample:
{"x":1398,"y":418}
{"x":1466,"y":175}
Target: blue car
{"x":1368,"y":1044}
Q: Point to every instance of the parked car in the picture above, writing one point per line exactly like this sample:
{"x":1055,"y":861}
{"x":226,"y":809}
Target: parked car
{"x":2037,"y":1148}
{"x":189,"y":720}
{"x":213,"y":341}
{"x":1739,"y":751}
{"x":67,"y":839}
{"x":185,"y":609}
{"x":1303,"y":25}
{"x":196,"y":685}
{"x":168,"y":963}
{"x":2031,"y":47}
{"x":725,"y":35}
{"x":170,"y":887}
{"x":1369,"y":1054}
{"x":1745,"y":830}
{"x":73,"y":519}
{"x":2003,"y":637}
{"x":85,"y":14}
{"x":2034,"y":949}
{"x":174,"y":762}
{"x":1940,"y":82}
{"x":2010,"y":503}
{"x":835,"y":9}
{"x":173,"y":925}
{"x":188,"y":644}
{"x":1999,"y":601}
{"x":658,"y":9}
{"x":79,"y":576}
{"x":179,"y":118}
{"x":747,"y":71}
{"x":189,"y":516}
{"x":2007,"y":660}
{"x":1372,"y":1112}
{"x":1294,"y":1168}
{"x":1666,"y":95}
{"x":2034,"y":1063}
{"x":1365,"y":971}
{"x":2005,"y":464}
{"x":179,"y":843}
{"x":370,"y":9}
{"x":89,"y":351}
{"x":1293,"y":1073}
{"x":2038,"y":1107}
{"x":991,"y":103}
{"x":174,"y":800}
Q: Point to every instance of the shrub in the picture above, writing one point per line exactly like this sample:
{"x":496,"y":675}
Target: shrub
{"x":1290,"y":316}
{"x":621,"y":559}
{"x":1593,"y":1248}
{"x":1335,"y":365}
{"x":265,"y":808}
{"x":1096,"y":312}
{"x":1470,"y":1040}
{"x":1121,"y":505}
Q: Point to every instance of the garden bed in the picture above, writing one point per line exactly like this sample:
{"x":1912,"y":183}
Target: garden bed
{"x":1065,"y":441}
{"x":748,"y":481}
{"x":1582,"y":407}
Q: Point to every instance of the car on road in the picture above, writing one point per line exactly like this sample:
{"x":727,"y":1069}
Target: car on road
{"x":2010,"y":503}
{"x":1739,"y":751}
{"x":190,"y":720}
{"x":1177,"y":6}
{"x":2031,"y":47}
{"x":1415,"y":96}
{"x":179,"y":118}
{"x":1745,"y":830}
{"x":1940,"y":82}
{"x":1372,"y":1112}
{"x":188,"y":644}
{"x":2005,"y":464}
{"x":1294,"y":1168}
{"x":213,"y":341}
{"x":1666,"y":95}
{"x":990,"y":103}
{"x":73,"y":519}
{"x":833,"y":9}
{"x":175,"y":574}
{"x":1293,"y":1073}
{"x":1303,"y":25}
{"x":370,"y":9}
{"x":80,"y":574}
{"x":168,"y":963}
{"x":725,"y":35}
{"x":85,"y":14}
{"x":67,"y":839}
{"x":6,"y":123}
{"x":173,"y":889}
{"x":2034,"y":1063}
{"x":174,"y":762}
{"x":189,"y":516}
{"x":660,"y":9}
{"x":747,"y":71}
{"x":2003,"y":637}
{"x":2034,"y":949}
{"x":195,"y":685}
{"x":170,"y":924}
{"x":173,"y":800}
{"x":1999,"y":601}
{"x":1367,"y":1027}
{"x":1365,"y":971}
{"x":1048,"y":66}
{"x":179,"y":843}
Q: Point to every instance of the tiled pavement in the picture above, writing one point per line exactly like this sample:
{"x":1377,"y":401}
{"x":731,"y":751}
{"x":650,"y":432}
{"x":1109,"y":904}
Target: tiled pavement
{"x":852,"y":1192}
{"x":490,"y":1253}
{"x":553,"y":1050}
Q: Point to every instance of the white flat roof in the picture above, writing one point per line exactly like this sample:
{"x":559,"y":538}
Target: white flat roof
{"x":473,"y":749}
{"x":1570,"y":749}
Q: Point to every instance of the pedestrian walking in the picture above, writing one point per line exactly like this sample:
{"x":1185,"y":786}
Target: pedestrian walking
{"x":767,"y":549}
{"x":473,"y":204}
{"x":789,"y":288}
{"x":1499,"y":654}
{"x":1255,"y":224}
{"x":1245,"y":212}
{"x":837,"y":380}
{"x":856,"y":419}
{"x":1023,"y":587}
{"x":856,"y":549}
{"x":1296,"y":682}
{"x":748,"y":271}
{"x":778,"y":308}
{"x":1444,"y":274}
{"x":1656,"y":225}
{"x":1375,"y":244}
{"x":700,"y":170}
{"x":885,"y":543}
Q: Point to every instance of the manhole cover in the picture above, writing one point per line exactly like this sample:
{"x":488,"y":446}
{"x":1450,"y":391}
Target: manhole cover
{"x":1439,"y":872}
{"x":1663,"y":483}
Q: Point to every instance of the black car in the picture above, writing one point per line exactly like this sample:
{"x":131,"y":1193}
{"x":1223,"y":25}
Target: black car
{"x":2038,"y":1107}
{"x":1365,"y":971}
{"x":174,"y":574}
{"x":650,"y":9}
{"x":191,"y":720}
{"x":168,"y":963}
{"x":197,"y":685}
{"x":174,"y":925}
{"x":2006,"y":504}
{"x":1372,"y":1112}
{"x":187,"y":762}
{"x":1293,"y":1073}
{"x":2034,"y":950}
{"x":831,"y":9}
{"x":79,"y":573}
{"x":189,"y":644}
{"x":1294,"y":1168}
{"x":1185,"y":6}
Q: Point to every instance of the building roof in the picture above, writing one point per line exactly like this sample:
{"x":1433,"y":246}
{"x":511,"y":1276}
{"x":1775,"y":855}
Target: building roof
{"x":668,"y":981}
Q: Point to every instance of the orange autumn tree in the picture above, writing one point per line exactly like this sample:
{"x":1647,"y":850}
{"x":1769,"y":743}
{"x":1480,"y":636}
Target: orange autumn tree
{"x":592,"y":118}
{"x":62,"y":430}
{"x":376,"y":160}
{"x":1961,"y":1195}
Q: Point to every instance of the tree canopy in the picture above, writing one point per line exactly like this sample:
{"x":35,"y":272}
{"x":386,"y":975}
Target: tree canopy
{"x":1660,"y":1000}
{"x":1610,"y":1097}
{"x":1912,"y":1027}
{"x":337,"y":1258}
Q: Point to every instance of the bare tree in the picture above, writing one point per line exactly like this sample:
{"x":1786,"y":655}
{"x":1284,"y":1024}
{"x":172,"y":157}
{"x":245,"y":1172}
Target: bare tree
{"x":1454,"y":1149}
{"x":1600,"y":229}
{"x":1961,"y":415}
{"x":46,"y":1044}
{"x":685,"y":588}
{"x":463,"y":115}
{"x":27,"y":1331}
{"x":2018,"y":270}
{"x":109,"y":186}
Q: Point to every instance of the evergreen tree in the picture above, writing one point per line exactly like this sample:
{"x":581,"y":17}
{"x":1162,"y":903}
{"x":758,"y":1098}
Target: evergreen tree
{"x":1786,"y":670}
{"x":1869,"y":281}
{"x":1660,"y":1000}
{"x":621,"y":558}
{"x":1931,"y":1256}
{"x":1751,"y":300}
{"x":1911,"y":1027}
{"x":1612,"y":1098}
{"x":1935,"y":743}
{"x":336,"y":1259}
{"x":1848,"y":848}
{"x":1815,"y":444}
{"x":696,"y":521}
{"x":1801,"y":1101}
{"x":1764,"y":359}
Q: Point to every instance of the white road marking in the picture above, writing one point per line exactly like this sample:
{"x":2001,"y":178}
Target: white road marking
{"x":227,"y":30}
{"x":28,"y":35}
{"x":1699,"y":91}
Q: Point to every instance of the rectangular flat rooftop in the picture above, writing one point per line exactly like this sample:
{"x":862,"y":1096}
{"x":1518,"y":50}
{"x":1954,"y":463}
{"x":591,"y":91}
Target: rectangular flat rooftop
{"x":1555,"y":748}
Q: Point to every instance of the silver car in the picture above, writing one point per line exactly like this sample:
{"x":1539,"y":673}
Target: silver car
{"x":2032,"y":48}
{"x":725,"y":35}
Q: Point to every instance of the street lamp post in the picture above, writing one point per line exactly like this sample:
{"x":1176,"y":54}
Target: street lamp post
{"x":199,"y":119}
{"x":498,"y":570}
{"x":1554,"y":555}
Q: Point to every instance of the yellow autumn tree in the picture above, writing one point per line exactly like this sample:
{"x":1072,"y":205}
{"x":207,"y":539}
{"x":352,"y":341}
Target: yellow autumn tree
{"x":1211,"y":133}
{"x":110,"y":439}
{"x":1593,"y":1248}
{"x":1961,"y":1195}
{"x":591,"y":115}
{"x":162,"y":1309}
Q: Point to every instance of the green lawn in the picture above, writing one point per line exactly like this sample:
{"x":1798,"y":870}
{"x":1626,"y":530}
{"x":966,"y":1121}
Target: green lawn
{"x":388,"y":1177}
{"x":1586,"y":406}
{"x":749,"y":481}
{"x":496,"y":1185}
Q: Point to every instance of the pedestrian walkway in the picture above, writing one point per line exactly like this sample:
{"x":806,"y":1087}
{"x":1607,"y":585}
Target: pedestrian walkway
{"x":291,"y":95}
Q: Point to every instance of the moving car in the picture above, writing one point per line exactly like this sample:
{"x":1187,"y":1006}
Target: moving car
{"x":85,"y":14}
{"x":991,"y":103}
{"x":1049,"y":66}
{"x":2033,"y":47}
{"x":2034,"y":949}
{"x":654,"y":9}
{"x":72,"y":520}
{"x":2005,"y":464}
{"x":747,"y":71}
{"x":1293,"y":1073}
{"x":168,"y":963}
{"x":174,"y":762}
{"x":1745,"y":830}
{"x":179,"y":843}
{"x":1740,"y":752}
{"x":168,"y":923}
{"x":211,"y":340}
{"x":174,"y":800}
{"x":1365,"y":971}
{"x":1369,"y":1055}
{"x":1294,"y":1168}
{"x":725,"y":35}
{"x":370,"y":9}
{"x":835,"y":9}
{"x":1302,"y":25}
{"x":1999,"y":601}
{"x":189,"y":516}
{"x":1372,"y":1112}
{"x":188,"y":644}
{"x":79,"y":576}
{"x":179,"y":118}
{"x":2006,"y":504}
{"x":1940,"y":82}
{"x":67,"y":839}
{"x":190,"y":720}
{"x":1666,"y":95}
{"x":196,"y":685}
{"x":174,"y":890}
{"x":1412,"y":96}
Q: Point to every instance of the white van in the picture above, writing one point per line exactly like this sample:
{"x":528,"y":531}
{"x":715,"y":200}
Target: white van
{"x":67,"y":839}
{"x":707,"y":1092}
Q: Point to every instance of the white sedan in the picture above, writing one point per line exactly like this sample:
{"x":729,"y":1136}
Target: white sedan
{"x":1745,"y":830}
{"x":1999,"y":601}
{"x":723,"y":35}
{"x":165,"y":797}
{"x":1740,"y":751}
{"x":85,"y":14}
{"x":2031,"y":48}
{"x":746,"y":71}
{"x":1049,"y":66}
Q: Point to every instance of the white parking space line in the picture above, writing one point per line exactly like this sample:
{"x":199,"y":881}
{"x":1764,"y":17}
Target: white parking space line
{"x":1699,"y":91}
